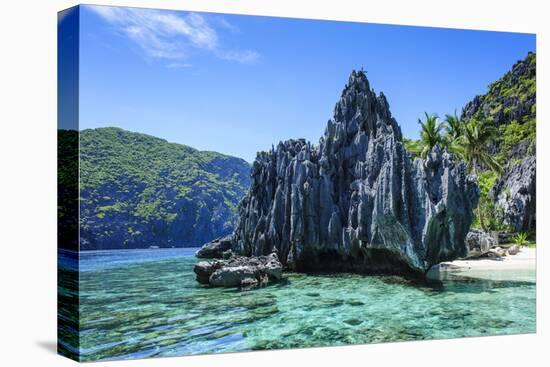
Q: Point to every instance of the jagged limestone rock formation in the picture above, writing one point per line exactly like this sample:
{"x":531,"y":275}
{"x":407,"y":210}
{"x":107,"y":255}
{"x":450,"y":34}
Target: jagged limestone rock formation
{"x":516,"y":194}
{"x":357,"y":201}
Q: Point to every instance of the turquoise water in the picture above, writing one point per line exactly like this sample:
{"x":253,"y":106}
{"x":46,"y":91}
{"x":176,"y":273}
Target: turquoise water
{"x":146,"y":303}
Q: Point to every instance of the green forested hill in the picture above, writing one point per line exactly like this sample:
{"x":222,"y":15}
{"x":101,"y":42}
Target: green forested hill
{"x":510,"y":105}
{"x":512,"y":97}
{"x":139,"y":191}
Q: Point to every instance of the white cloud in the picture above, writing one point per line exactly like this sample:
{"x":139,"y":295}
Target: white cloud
{"x":243,"y":57}
{"x":225,"y":24}
{"x":178,"y":65}
{"x":169,"y":35}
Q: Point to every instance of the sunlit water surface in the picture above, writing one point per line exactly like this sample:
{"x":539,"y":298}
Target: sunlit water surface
{"x":146,"y":303}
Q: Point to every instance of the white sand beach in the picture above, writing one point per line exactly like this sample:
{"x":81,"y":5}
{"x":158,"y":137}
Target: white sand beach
{"x":524,"y":260}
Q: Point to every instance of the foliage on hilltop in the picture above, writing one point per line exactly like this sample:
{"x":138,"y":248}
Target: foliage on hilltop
{"x":138,"y":191}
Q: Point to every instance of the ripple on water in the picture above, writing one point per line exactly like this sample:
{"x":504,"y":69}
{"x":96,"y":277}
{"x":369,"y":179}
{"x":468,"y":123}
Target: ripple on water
{"x":136,"y":306}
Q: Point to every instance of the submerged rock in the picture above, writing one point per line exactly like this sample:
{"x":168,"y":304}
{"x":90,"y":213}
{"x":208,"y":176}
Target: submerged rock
{"x":357,"y":201}
{"x":516,"y":194}
{"x":239,"y":271}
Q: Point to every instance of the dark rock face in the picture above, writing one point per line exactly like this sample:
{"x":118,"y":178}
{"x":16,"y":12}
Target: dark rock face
{"x":239,"y":271}
{"x":214,"y":249}
{"x":357,"y":201}
{"x":516,"y":193}
{"x":523,"y":149}
{"x":479,"y":243}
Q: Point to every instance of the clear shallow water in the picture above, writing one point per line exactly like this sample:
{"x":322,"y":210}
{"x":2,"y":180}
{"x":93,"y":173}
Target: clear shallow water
{"x":146,"y":303}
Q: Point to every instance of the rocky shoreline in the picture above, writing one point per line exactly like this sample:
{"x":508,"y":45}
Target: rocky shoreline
{"x":223,"y":268}
{"x":239,"y":271}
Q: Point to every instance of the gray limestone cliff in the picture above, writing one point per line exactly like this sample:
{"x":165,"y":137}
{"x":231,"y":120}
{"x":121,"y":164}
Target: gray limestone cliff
{"x":357,"y":201}
{"x":516,"y":194}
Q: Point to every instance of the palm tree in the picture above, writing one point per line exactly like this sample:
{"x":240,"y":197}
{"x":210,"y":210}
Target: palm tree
{"x":413,"y":146}
{"x":475,"y":137}
{"x":430,"y":134}
{"x":454,"y":129}
{"x":453,"y":125}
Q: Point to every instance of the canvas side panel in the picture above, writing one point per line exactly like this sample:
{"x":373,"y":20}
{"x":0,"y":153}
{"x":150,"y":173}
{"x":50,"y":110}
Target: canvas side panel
{"x":67,"y":183}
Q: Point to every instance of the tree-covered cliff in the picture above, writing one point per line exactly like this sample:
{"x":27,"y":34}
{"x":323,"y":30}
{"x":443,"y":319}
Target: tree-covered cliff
{"x":139,"y":191}
{"x":496,"y":136}
{"x":510,"y":105}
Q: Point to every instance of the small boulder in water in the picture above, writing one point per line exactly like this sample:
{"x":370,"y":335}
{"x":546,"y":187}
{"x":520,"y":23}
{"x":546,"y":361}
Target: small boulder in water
{"x":233,"y":276}
{"x":239,"y":271}
{"x":204,"y":270}
{"x":215,"y":249}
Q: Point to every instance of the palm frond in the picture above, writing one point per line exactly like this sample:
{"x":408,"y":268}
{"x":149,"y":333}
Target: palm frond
{"x":476,"y":135}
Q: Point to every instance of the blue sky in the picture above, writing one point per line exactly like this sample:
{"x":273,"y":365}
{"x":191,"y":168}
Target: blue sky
{"x":238,"y":84}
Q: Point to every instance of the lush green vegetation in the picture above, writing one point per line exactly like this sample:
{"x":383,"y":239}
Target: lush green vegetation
{"x":67,"y":189}
{"x":454,"y":129}
{"x":139,"y":191}
{"x":494,"y":132}
{"x":444,"y":134}
{"x":476,"y":137}
{"x":489,"y":216}
{"x":512,"y":97}
{"x":513,"y":134}
{"x":430,"y":134}
{"x":520,"y":239}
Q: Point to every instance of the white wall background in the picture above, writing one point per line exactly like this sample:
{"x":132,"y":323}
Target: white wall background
{"x":28,"y":182}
